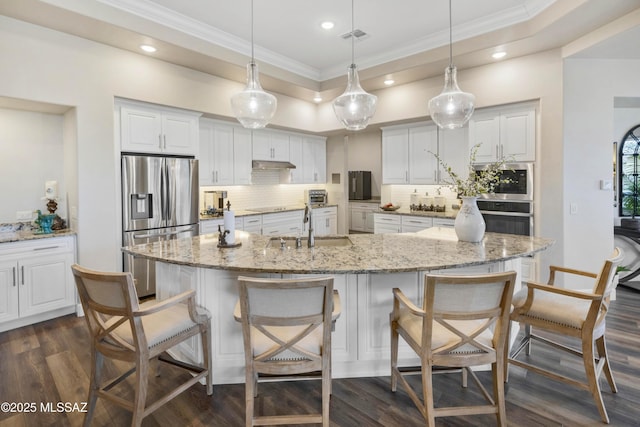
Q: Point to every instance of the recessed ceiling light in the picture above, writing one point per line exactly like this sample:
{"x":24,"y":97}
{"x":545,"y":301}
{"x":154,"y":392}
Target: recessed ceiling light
{"x":389,"y":81}
{"x":147,"y":48}
{"x":327,"y":25}
{"x":498,"y":55}
{"x":317,"y":98}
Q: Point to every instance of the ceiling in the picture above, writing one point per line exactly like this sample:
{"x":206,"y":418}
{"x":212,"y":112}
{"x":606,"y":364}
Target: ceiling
{"x":406,"y":40}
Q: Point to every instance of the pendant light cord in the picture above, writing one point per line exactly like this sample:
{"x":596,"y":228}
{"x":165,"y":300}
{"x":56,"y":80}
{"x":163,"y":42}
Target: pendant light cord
{"x":450,"y":38}
{"x":252,"y":58}
{"x":353,"y":36}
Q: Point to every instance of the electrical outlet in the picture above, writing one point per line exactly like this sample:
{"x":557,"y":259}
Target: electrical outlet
{"x":573,"y":208}
{"x":24,"y":215}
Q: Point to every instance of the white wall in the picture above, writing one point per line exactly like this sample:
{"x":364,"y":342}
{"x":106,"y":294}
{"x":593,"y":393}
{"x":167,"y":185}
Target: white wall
{"x":589,"y":92}
{"x":32,"y":149}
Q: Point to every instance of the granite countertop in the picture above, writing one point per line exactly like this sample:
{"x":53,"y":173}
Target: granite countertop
{"x":431,"y":249}
{"x":265,"y":210}
{"x":17,"y":232}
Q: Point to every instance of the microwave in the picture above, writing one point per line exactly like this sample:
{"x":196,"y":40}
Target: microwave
{"x":519,"y":185}
{"x":316,"y":197}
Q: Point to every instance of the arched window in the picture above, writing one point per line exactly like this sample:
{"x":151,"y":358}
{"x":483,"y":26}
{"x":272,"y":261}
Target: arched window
{"x":630,"y":173}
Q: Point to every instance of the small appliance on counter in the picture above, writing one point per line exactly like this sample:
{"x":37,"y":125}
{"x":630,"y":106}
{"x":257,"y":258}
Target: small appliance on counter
{"x":359,"y":185}
{"x":316,"y":198}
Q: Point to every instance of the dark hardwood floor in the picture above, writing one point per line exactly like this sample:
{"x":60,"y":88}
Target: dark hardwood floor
{"x":49,"y":362}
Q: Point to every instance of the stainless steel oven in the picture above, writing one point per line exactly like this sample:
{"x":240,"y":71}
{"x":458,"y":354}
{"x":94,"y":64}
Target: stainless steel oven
{"x":519,"y":185}
{"x":507,"y":216}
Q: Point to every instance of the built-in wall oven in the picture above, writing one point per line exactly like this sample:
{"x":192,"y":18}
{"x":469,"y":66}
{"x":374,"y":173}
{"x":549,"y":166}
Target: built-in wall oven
{"x":510,"y":208}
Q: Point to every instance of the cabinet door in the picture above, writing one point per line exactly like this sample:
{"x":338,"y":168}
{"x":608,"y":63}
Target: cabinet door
{"x":261,"y":148}
{"x":411,"y":224}
{"x":179,"y":133}
{"x":223,"y":160}
{"x":358,"y":217}
{"x":484,"y":129}
{"x":296,"y":156}
{"x":8,"y":290}
{"x":369,"y":218}
{"x":241,"y":156}
{"x":206,"y":172}
{"x":395,"y":156}
{"x":280,"y":146}
{"x":454,"y":151}
{"x":45,"y":283}
{"x":253,"y":224}
{"x":517,"y":135}
{"x":210,"y":226}
{"x":423,"y":145}
{"x":314,"y":154}
{"x":387,"y":223}
{"x":141,"y":130}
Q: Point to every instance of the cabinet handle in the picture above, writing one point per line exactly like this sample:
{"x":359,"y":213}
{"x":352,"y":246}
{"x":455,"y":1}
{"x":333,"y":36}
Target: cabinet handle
{"x":497,"y":151}
{"x":327,"y":222}
{"x":44,"y":248}
{"x":216,"y":176}
{"x":406,"y":176}
{"x":14,"y":277}
{"x":164,"y":137}
{"x":160,"y":141}
{"x":22,"y":274}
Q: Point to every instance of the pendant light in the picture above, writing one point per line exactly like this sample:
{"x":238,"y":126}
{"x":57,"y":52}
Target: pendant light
{"x":355,"y":107}
{"x":453,"y":107}
{"x":253,"y":107}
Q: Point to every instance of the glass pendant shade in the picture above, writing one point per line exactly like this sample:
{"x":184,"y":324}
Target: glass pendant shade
{"x":453,"y":107}
{"x":355,"y":107}
{"x":253,"y":107}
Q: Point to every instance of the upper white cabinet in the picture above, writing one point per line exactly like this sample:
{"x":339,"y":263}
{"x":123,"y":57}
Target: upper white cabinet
{"x":314,"y":160}
{"x":408,"y":153}
{"x":225,"y":154}
{"x":146,"y":128}
{"x":506,"y":132}
{"x":270,"y":145}
{"x":295,"y":156}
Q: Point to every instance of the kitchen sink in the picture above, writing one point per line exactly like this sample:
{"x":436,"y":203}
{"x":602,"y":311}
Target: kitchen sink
{"x":321,"y":241}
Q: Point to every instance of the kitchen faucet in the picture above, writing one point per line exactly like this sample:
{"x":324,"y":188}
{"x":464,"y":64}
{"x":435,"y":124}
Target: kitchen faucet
{"x":308,"y":217}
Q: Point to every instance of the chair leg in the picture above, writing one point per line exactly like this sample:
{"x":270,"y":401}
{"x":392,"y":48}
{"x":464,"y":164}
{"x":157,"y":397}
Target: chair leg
{"x":427,"y":394}
{"x":326,"y":396}
{"x":592,"y":378}
{"x":498,"y":391}
{"x":394,"y":356}
{"x":206,"y":356}
{"x":249,"y":394}
{"x":604,"y":354}
{"x":97,"y":362}
{"x":142,"y":371}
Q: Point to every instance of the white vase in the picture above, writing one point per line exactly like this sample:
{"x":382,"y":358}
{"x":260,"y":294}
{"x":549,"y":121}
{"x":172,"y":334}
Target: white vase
{"x":469,"y":224}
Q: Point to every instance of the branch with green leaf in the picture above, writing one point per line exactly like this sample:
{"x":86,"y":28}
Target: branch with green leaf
{"x":476,"y":182}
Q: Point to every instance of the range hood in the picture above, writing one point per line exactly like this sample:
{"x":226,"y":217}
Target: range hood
{"x":272,"y":164}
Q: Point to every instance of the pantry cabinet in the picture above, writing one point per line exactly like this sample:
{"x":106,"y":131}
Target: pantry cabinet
{"x":506,"y":132}
{"x":146,"y":128}
{"x":36,"y":282}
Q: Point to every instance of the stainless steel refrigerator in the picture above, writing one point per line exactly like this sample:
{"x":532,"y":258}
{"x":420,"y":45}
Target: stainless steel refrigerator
{"x":159,"y":202}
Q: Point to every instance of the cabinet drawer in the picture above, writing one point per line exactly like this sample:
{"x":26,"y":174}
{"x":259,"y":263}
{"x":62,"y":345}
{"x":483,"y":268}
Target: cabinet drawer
{"x":285,"y":217}
{"x":40,"y":246}
{"x":443,"y":222}
{"x":417,"y":221}
{"x":388,"y":219}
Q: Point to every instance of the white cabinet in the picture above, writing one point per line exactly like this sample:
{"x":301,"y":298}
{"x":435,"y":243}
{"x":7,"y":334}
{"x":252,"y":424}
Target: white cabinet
{"x":507,"y":132}
{"x":296,"y":175}
{"x":325,"y":221}
{"x":209,"y":226}
{"x":36,"y":282}
{"x":409,"y":153}
{"x":411,"y":224}
{"x":454,"y":152}
{"x":362,"y":216}
{"x":270,"y":145}
{"x":395,"y":156}
{"x":387,"y":223}
{"x":252,"y":224}
{"x":443,"y":222}
{"x":423,"y":164}
{"x":282,"y":223}
{"x":225,"y":154}
{"x":153,"y":129}
{"x":314,"y":160}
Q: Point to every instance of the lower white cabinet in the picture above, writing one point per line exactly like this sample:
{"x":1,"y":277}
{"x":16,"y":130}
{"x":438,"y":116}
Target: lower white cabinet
{"x":325,"y":221}
{"x":361,"y":216}
{"x":387,"y":223}
{"x":443,"y":222}
{"x":252,"y":224}
{"x":282,"y":223}
{"x":411,"y":224}
{"x":36,"y":282}
{"x":209,"y":226}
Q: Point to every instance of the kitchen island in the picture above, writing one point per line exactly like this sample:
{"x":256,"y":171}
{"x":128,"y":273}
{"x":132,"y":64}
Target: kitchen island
{"x":365,"y":268}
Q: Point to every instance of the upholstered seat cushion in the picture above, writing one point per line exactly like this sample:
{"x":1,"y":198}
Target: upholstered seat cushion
{"x":441,"y":336}
{"x":560,"y":309}
{"x":161,"y":326}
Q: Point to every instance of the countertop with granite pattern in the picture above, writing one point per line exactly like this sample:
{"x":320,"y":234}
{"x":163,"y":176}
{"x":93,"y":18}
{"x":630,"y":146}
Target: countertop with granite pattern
{"x":17,"y":232}
{"x":431,"y":249}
